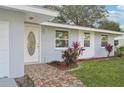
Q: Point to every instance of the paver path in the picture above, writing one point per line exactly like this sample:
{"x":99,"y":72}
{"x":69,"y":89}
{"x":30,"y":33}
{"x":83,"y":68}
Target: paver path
{"x":45,"y":75}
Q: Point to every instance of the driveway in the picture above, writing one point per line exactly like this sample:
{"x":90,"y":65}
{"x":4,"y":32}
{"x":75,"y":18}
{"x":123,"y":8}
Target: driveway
{"x":7,"y":82}
{"x":44,"y":75}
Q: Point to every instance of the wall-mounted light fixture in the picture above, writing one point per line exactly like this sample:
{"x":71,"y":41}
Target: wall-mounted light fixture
{"x":31,"y":18}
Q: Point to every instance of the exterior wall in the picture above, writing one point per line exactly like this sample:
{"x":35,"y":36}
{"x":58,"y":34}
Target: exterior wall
{"x":16,"y":42}
{"x":4,"y":49}
{"x":121,"y":42}
{"x":50,"y":53}
{"x":100,"y":51}
{"x":48,"y":50}
{"x":89,"y":51}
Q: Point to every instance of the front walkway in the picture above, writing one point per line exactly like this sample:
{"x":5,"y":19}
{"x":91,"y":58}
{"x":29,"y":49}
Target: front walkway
{"x":45,"y":75}
{"x":7,"y":82}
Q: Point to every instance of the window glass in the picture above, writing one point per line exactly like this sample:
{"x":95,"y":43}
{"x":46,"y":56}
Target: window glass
{"x":62,"y":39}
{"x":104,"y":40}
{"x":31,"y":45}
{"x":86,"y":39}
{"x":116,"y":42}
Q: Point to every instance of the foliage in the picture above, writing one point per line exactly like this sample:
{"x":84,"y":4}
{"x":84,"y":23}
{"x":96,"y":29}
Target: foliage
{"x":55,"y":61}
{"x":119,"y":51}
{"x":71,"y":54}
{"x":101,"y":73}
{"x":82,"y":15}
{"x":121,"y":48}
{"x":52,"y":7}
{"x":109,"y":49}
{"x":110,"y":25}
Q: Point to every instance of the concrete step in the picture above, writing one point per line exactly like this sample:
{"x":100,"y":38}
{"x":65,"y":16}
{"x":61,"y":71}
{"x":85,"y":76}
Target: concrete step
{"x":7,"y":82}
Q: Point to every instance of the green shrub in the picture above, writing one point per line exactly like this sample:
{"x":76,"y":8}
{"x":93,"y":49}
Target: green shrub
{"x":121,"y":48}
{"x":119,"y":51}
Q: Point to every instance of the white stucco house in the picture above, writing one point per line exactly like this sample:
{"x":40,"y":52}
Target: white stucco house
{"x":27,"y":36}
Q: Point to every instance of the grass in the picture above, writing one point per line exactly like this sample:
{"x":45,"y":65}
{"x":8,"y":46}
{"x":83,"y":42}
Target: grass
{"x":101,"y":73}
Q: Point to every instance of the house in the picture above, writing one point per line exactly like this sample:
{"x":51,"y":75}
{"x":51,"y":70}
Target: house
{"x":27,"y":36}
{"x":12,"y":25}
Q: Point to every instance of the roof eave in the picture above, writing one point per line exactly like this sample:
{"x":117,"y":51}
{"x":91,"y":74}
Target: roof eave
{"x":80,"y":28}
{"x":32,"y":9}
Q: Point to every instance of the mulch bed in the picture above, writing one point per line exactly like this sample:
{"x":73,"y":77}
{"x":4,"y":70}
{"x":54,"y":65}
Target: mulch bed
{"x":59,"y":65}
{"x":62,"y":65}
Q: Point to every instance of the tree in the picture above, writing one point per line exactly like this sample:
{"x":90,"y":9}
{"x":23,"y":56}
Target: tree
{"x":52,"y":7}
{"x":110,"y":25}
{"x":83,"y":15}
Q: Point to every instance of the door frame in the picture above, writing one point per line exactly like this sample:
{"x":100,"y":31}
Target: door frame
{"x":40,"y":44}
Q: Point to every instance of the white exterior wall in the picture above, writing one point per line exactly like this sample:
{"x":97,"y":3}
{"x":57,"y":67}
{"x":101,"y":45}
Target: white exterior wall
{"x":89,"y":51}
{"x":48,"y":50}
{"x":50,"y":53}
{"x":121,"y":42}
{"x":16,"y":41}
{"x":4,"y":49}
{"x":100,"y":51}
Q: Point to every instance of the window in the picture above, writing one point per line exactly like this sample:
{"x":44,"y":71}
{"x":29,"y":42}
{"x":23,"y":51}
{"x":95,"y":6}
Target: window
{"x":86,"y":39}
{"x":31,"y":45}
{"x":62,"y":39}
{"x":104,"y":40}
{"x":116,"y":42}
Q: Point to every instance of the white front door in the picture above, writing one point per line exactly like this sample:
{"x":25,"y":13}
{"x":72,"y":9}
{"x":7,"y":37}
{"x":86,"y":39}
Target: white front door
{"x":4,"y":49}
{"x":32,"y":43}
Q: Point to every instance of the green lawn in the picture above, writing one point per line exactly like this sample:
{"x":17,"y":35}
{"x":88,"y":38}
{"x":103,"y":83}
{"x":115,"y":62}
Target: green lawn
{"x":109,"y":73}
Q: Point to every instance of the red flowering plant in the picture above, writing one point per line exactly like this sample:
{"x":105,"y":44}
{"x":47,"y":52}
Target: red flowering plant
{"x":109,"y":49}
{"x":71,"y":55}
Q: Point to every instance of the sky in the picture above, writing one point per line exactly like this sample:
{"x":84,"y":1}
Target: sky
{"x":116,"y":14}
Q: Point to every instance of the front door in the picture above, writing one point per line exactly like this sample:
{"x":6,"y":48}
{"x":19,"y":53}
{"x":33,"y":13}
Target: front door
{"x":32,"y":43}
{"x":4,"y":49}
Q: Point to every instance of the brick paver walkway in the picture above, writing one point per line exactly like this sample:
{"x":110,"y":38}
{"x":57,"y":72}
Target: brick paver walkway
{"x":45,"y":75}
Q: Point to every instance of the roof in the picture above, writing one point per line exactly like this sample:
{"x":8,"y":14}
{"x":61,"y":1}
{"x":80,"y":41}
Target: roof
{"x":80,"y":28}
{"x":31,"y":8}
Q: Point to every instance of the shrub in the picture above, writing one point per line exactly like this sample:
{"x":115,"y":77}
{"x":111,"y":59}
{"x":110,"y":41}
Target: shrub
{"x":121,"y":48}
{"x":109,"y":49}
{"x":55,"y":61}
{"x":119,"y":51}
{"x":71,"y":54}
